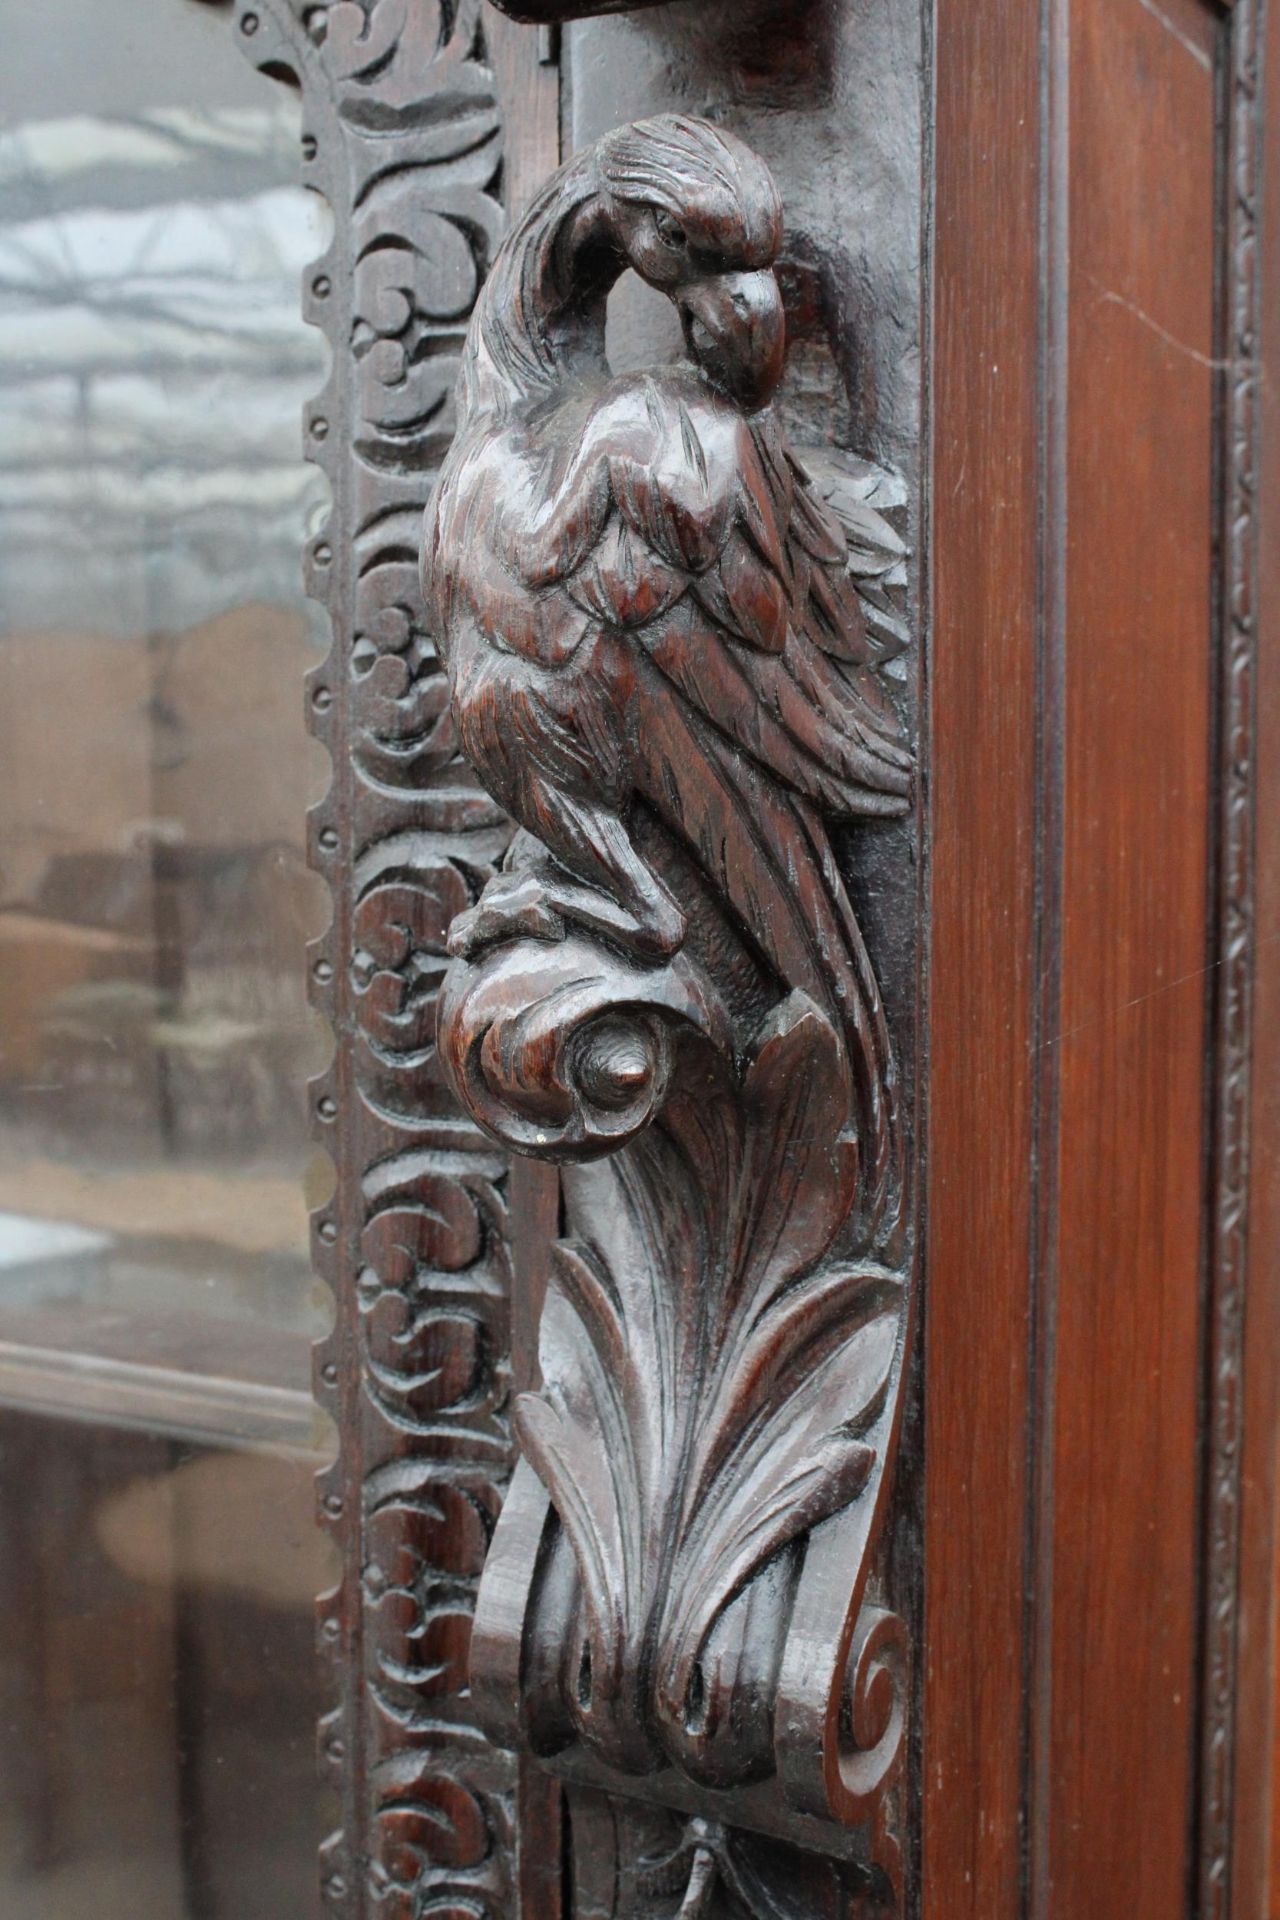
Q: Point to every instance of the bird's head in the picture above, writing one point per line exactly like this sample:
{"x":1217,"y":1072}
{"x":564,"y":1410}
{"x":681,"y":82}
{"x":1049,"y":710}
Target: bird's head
{"x":698,"y":216}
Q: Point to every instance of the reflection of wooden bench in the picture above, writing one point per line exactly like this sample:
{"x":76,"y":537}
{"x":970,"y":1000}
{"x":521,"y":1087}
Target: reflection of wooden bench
{"x":156,"y":1602}
{"x":199,"y":1407}
{"x":42,"y":959}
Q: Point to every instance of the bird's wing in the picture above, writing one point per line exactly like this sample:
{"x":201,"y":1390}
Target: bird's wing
{"x":667,"y":514}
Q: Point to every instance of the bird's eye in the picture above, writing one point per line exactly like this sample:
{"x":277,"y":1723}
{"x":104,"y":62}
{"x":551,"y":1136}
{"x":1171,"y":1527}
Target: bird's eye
{"x":670,"y":232}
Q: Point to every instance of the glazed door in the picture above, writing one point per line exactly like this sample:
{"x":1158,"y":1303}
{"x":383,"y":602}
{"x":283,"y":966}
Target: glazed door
{"x":797,"y":1155}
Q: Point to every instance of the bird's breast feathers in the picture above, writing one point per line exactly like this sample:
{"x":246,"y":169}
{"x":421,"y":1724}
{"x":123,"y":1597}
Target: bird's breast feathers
{"x":662,"y":516}
{"x":612,"y":516}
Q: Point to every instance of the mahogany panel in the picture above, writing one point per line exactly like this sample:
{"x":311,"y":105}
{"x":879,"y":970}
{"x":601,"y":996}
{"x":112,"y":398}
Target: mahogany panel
{"x":1126,"y":1256}
{"x":983,"y":705}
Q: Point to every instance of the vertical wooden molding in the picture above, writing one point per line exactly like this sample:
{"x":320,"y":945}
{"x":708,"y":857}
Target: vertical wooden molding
{"x":1238,"y":1259}
{"x":1072,"y":1748}
{"x":983,"y":812}
{"x":1255,"y":1780}
{"x":1051,"y":717}
{"x":1131,"y":1037}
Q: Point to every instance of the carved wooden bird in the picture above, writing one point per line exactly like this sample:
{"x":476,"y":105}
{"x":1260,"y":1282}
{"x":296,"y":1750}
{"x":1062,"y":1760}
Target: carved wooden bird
{"x":644,"y":608}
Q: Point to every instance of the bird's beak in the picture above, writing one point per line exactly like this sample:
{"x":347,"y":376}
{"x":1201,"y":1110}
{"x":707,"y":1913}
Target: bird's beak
{"x":735,"y":330}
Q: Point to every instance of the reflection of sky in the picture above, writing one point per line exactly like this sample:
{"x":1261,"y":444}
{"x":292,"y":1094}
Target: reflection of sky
{"x":152,"y":366}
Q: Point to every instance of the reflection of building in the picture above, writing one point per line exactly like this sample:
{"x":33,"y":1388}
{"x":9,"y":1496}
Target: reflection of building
{"x":154,"y":901}
{"x":157,"y":1693}
{"x":152,"y":368}
{"x":152,"y":509}
{"x":153,"y":913}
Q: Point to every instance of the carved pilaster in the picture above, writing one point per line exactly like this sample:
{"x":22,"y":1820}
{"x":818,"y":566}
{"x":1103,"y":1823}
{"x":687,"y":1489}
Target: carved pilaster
{"x":663,"y":666}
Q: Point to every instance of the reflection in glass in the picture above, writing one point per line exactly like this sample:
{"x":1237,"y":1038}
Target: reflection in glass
{"x":156,"y":1303}
{"x":153,"y":766}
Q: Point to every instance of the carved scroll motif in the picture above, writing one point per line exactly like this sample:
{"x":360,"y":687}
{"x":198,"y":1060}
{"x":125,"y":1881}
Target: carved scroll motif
{"x":664,"y":670}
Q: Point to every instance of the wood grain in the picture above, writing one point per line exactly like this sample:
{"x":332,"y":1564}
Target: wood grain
{"x":983,"y":725}
{"x":1256,"y":1868}
{"x":1070,"y":860}
{"x":1127,"y":1250}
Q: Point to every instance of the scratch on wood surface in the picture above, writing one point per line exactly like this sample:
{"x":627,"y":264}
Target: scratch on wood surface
{"x":1108,"y":297}
{"x":1198,"y":54}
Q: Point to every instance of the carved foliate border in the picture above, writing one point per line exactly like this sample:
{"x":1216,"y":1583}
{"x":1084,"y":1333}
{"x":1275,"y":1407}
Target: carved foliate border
{"x":1233,"y":950}
{"x":403,"y":137}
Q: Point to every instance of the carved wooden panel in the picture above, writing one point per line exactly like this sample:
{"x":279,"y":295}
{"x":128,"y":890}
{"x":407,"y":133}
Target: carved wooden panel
{"x":686,"y":869}
{"x":405,"y":138}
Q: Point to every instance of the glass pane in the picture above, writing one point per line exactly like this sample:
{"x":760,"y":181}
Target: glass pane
{"x":157,"y":1438}
{"x":158,"y":1690}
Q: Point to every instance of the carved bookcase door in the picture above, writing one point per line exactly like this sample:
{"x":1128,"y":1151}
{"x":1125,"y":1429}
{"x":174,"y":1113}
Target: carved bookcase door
{"x":721,"y":791}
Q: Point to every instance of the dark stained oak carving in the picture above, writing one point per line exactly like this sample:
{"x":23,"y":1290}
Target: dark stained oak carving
{"x":661,"y":669}
{"x":424,"y":123}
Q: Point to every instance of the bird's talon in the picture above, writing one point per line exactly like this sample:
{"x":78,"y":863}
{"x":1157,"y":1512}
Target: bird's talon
{"x":517,"y":914}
